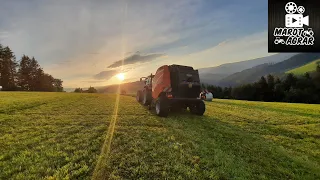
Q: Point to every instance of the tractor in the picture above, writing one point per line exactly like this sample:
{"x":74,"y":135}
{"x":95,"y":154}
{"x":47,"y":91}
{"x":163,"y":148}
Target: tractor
{"x":173,"y":87}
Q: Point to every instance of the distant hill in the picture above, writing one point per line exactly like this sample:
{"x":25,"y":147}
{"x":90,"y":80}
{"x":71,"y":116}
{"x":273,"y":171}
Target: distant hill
{"x":210,"y":78}
{"x":310,"y":67}
{"x":253,"y":74}
{"x":130,"y":87}
{"x":212,"y":75}
{"x":230,"y":68}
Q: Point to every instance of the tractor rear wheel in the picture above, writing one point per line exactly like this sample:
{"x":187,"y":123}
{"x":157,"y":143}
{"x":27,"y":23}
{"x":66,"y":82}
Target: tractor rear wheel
{"x":146,"y":97}
{"x":162,"y":108}
{"x":198,"y":108}
{"x":138,"y":96}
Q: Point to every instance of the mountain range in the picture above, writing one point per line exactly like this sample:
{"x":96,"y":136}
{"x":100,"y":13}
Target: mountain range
{"x":279,"y":69}
{"x":233,"y":74}
{"x":213,"y":75}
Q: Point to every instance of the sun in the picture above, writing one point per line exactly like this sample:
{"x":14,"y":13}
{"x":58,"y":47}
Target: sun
{"x":120,"y":76}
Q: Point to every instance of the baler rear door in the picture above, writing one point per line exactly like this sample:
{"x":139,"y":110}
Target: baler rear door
{"x":185,"y":81}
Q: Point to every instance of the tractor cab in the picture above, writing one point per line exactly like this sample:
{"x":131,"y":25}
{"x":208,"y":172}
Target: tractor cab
{"x":147,"y":81}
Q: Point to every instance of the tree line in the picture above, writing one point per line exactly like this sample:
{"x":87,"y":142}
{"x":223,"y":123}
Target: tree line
{"x":25,"y":74}
{"x":295,"y":89}
{"x":89,"y":90}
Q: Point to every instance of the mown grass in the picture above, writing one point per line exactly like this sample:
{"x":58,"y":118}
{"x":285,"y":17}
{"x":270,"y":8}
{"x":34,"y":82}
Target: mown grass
{"x":45,"y":135}
{"x":310,"y":67}
{"x":62,"y":135}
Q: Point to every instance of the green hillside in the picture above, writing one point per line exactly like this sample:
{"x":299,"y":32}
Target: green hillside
{"x":310,"y":67}
{"x":105,"y":136}
{"x":253,"y":74}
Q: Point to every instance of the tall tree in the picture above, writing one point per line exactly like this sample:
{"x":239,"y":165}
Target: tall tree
{"x":34,"y":74}
{"x":30,"y":76}
{"x":38,"y":81}
{"x":271,"y":85}
{"x":289,"y":82}
{"x":262,"y":88}
{"x":270,"y":81}
{"x":277,"y":81}
{"x":1,"y":63}
{"x":316,"y":78}
{"x":8,"y":67}
{"x":24,"y":72}
{"x":57,"y":83}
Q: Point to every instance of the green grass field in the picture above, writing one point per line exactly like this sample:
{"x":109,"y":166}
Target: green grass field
{"x":90,"y":136}
{"x":310,"y":67}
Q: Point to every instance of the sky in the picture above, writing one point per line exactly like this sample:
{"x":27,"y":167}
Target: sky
{"x":88,"y":42}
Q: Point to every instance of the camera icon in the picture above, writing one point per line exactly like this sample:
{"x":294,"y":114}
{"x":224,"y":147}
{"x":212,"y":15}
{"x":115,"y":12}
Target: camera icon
{"x":295,"y":20}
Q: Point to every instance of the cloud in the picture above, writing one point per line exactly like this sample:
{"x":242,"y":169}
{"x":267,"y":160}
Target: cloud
{"x":230,"y":50}
{"x":4,"y":34}
{"x":135,"y":58}
{"x":83,"y":37}
{"x":105,"y":75}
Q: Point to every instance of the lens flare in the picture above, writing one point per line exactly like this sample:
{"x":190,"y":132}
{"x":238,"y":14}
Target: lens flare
{"x":120,"y":76}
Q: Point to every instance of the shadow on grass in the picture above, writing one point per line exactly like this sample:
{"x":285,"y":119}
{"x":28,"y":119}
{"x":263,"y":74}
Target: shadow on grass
{"x":230,"y":152}
{"x":225,"y":150}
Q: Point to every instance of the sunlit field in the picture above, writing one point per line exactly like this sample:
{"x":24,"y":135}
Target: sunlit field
{"x":90,"y":136}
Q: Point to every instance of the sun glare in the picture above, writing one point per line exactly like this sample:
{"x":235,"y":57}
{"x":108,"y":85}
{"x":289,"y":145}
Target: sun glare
{"x":120,"y":76}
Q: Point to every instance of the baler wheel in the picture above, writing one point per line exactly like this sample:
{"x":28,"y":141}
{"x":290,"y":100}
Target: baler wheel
{"x":162,"y":108}
{"x":198,"y":108}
